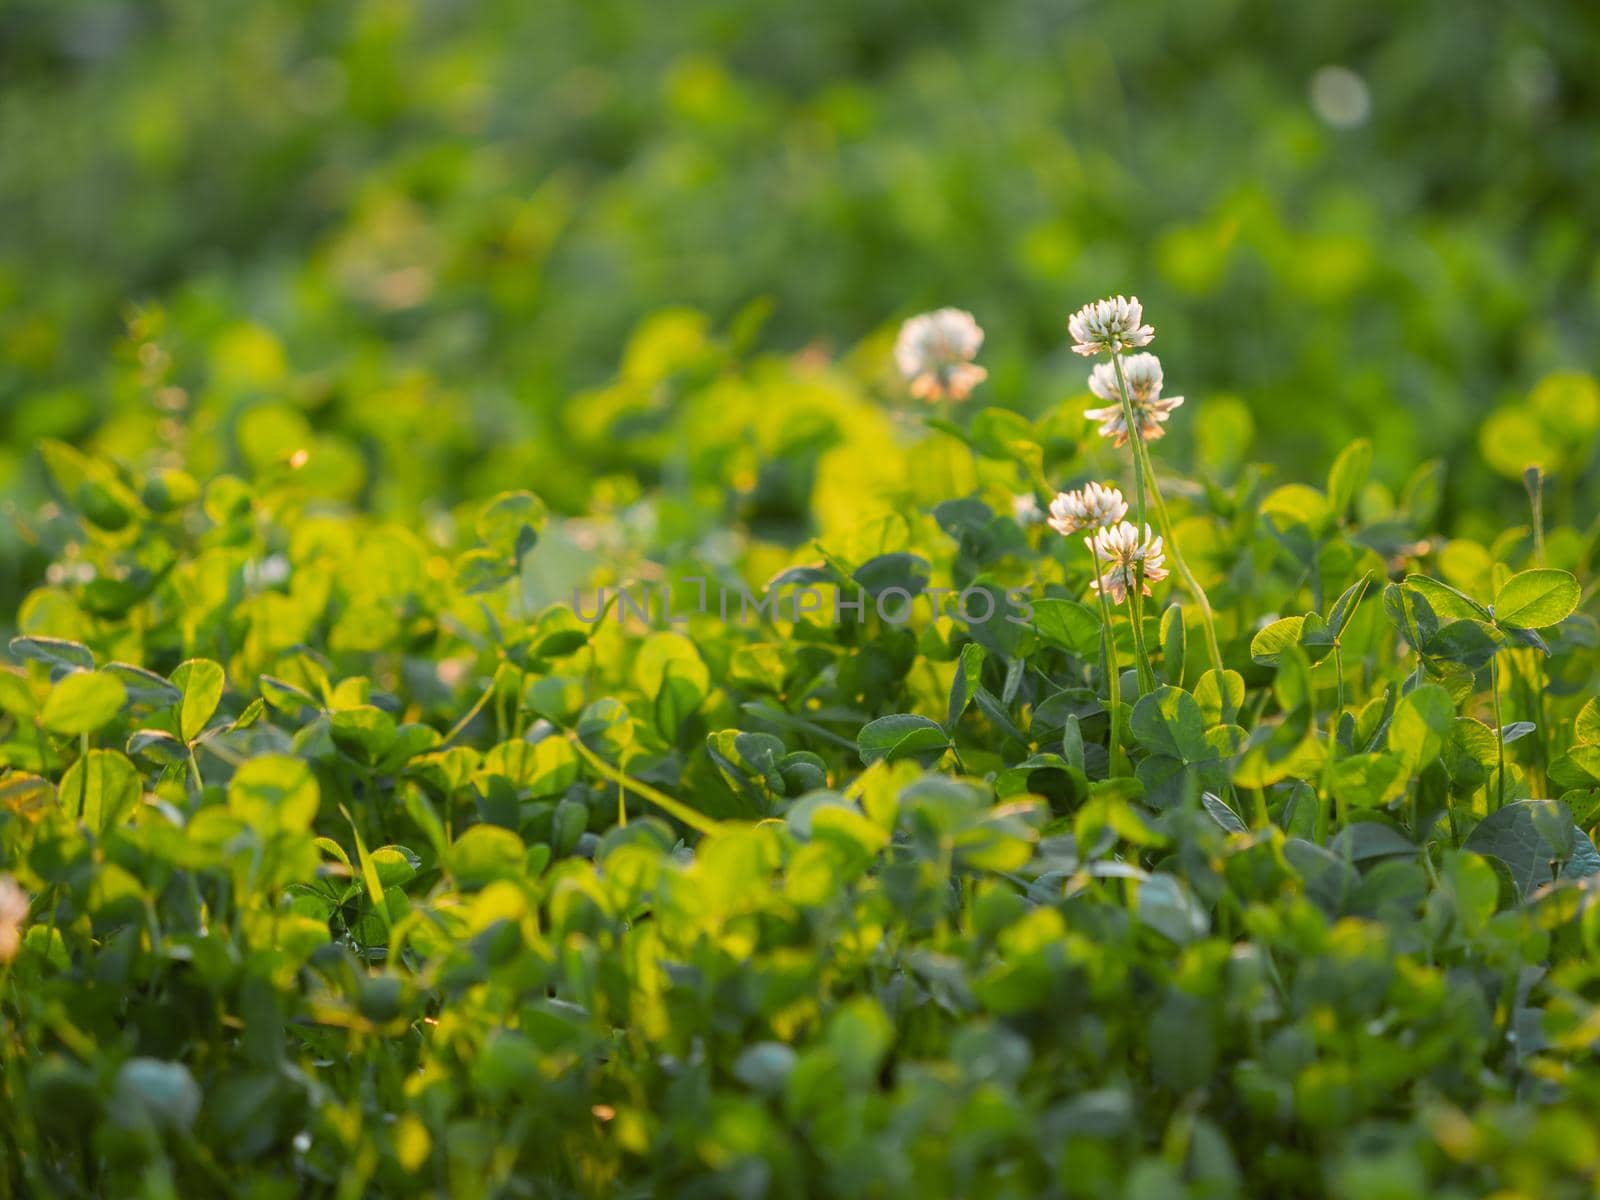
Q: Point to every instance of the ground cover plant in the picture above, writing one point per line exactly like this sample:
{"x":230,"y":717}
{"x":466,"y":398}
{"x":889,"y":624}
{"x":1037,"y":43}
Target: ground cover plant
{"x":870,"y":790}
{"x":430,"y":225}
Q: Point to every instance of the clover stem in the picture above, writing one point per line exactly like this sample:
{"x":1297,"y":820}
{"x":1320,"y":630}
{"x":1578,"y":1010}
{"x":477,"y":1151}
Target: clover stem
{"x":460,"y":726}
{"x":1113,"y":671}
{"x":1147,"y":677}
{"x":83,"y":770}
{"x":1130,"y":419}
{"x":691,"y":817}
{"x":1338,"y":670}
{"x":1533,"y":480}
{"x":1499,"y":733}
{"x":1144,"y":476}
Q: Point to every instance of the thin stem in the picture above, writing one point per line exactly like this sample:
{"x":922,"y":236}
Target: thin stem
{"x":471,"y":714}
{"x":693,"y":818}
{"x":1131,"y":420}
{"x":1499,"y":732}
{"x":1165,"y":522}
{"x":1333,"y":722}
{"x":1338,"y":670}
{"x":1147,"y":677}
{"x":1535,"y":703}
{"x":1533,"y":480}
{"x":1113,"y":671}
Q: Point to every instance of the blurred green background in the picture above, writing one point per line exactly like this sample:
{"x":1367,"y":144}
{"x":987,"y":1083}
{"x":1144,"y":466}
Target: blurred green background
{"x":430,"y":227}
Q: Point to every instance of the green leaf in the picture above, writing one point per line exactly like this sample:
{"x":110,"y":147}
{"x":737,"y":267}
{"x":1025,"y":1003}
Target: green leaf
{"x":157,"y":745}
{"x":1296,"y":506}
{"x":750,"y":764}
{"x":1585,"y":859}
{"x":1219,"y":695}
{"x":369,"y":870}
{"x":1536,"y":599}
{"x":82,"y":703}
{"x":1222,"y":814}
{"x":1345,"y":606}
{"x":908,"y":573}
{"x":364,"y":732}
{"x":1369,"y":780}
{"x":1419,"y":498}
{"x":485,"y":853}
{"x":101,"y":789}
{"x":152,"y":1093}
{"x":200,"y":681}
{"x":558,"y":633}
{"x":509,"y":524}
{"x":274,"y":792}
{"x":479,"y":571}
{"x":1469,"y":753}
{"x":969,"y":673}
{"x":1174,"y":642}
{"x":1069,"y":624}
{"x":1579,"y":767}
{"x":1349,"y":475}
{"x":56,"y":652}
{"x":16,"y":694}
{"x":286,"y":697}
{"x":903,"y":735}
{"x":1422,"y":723}
{"x":144,"y":687}
{"x":1315,"y":637}
{"x":1268,"y":646}
{"x":1586,"y":730}
{"x":1446,"y":602}
{"x":1168,"y":721}
{"x":998,"y":716}
{"x":1468,"y":642}
{"x":1530,"y":836}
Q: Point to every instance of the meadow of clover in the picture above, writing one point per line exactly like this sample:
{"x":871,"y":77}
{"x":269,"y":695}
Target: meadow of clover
{"x":794,"y":599}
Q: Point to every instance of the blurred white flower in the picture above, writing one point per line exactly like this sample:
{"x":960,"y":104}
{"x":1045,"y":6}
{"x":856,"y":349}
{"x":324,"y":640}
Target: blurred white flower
{"x":1109,"y":327}
{"x":13,"y":912}
{"x":935,"y":351}
{"x":1340,"y":97}
{"x":1121,"y":550}
{"x":1091,"y":507}
{"x":1143,"y":373}
{"x":1025,"y":510}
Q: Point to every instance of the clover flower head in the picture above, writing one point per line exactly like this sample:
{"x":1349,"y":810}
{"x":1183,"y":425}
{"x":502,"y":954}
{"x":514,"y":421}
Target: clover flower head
{"x":13,"y":912}
{"x":1128,"y":557}
{"x":1090,"y":507}
{"x":1109,"y":327}
{"x":935,"y":351}
{"x":1025,"y":509}
{"x":1143,"y":373}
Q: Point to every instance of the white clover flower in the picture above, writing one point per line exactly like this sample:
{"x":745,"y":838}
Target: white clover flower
{"x":1109,"y":327}
{"x":1122,"y":551}
{"x":1025,"y":510}
{"x":1091,"y":507}
{"x":935,"y":351}
{"x":13,"y":912}
{"x":1143,"y":373}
